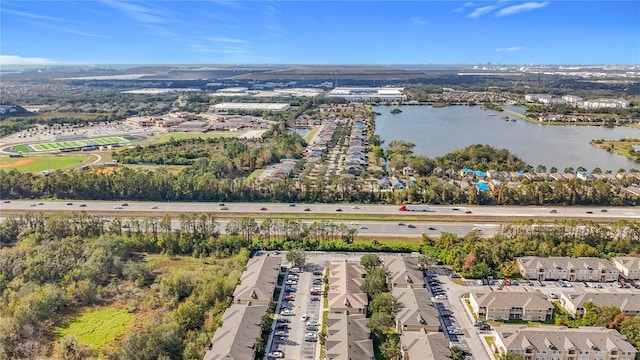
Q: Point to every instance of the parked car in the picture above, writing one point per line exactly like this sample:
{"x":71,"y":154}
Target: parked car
{"x":277,"y":354}
{"x":289,"y":298}
{"x":310,"y":337}
{"x":286,"y":312}
{"x":315,"y":292}
{"x":314,"y":298}
{"x":304,"y":317}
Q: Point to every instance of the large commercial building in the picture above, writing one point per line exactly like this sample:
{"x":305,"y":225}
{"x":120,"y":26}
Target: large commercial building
{"x":566,"y":268}
{"x":368,"y":93}
{"x":252,"y":106}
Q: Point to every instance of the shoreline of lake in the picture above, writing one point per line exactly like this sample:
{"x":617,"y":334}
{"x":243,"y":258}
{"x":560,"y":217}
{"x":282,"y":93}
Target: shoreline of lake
{"x":437,"y":131}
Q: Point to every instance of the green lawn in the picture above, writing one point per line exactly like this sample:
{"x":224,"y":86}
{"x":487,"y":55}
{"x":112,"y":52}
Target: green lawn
{"x":164,"y":137}
{"x":76,"y":143}
{"x":98,"y":327}
{"x":39,"y":164}
{"x":23,"y":148}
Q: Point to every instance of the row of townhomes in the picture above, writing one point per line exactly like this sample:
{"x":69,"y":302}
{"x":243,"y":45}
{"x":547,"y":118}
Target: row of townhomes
{"x":554,"y":342}
{"x":498,"y":305}
{"x":348,"y":337}
{"x":235,"y":339}
{"x":561,"y":343}
{"x":417,"y":321}
{"x":535,"y":306}
{"x":565,"y":268}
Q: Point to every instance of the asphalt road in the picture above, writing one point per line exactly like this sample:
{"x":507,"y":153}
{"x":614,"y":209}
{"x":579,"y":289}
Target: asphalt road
{"x":459,"y":220}
{"x":611,"y":213}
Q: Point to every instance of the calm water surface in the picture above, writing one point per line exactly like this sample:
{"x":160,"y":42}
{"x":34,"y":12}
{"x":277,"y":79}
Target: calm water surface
{"x":438,"y":131}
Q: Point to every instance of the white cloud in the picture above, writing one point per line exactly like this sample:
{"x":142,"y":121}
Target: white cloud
{"x":515,"y":9}
{"x":482,"y":11}
{"x":418,"y":20}
{"x":510,"y":49}
{"x":465,"y":5}
{"x":222,"y":39}
{"x":19,"y":60}
{"x":31,"y":15}
{"x":137,"y":12}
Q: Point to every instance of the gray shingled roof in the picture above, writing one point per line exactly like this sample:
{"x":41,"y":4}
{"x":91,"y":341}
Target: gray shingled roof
{"x":563,"y":338}
{"x":240,"y":328}
{"x":348,"y":337}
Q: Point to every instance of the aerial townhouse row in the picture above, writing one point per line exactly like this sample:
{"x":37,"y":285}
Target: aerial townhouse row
{"x":348,"y":337}
{"x":235,"y":339}
{"x":535,"y":306}
{"x":417,"y":320}
{"x":579,"y":269}
{"x":565,"y":268}
{"x":561,"y":343}
{"x":554,"y":342}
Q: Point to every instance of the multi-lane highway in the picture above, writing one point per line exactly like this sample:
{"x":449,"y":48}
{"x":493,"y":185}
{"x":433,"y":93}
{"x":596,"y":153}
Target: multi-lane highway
{"x":463,"y":211}
{"x":386,"y":220}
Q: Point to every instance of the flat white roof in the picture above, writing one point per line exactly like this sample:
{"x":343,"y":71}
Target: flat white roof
{"x":251,"y":106}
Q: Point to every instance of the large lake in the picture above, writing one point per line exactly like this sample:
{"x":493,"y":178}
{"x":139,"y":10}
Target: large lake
{"x":438,"y":131}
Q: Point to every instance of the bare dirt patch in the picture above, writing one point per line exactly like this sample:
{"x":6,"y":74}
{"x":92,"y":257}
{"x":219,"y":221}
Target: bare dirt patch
{"x":17,"y":163}
{"x":102,"y":170}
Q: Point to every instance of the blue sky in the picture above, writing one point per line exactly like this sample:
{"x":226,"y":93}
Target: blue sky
{"x":320,"y":32}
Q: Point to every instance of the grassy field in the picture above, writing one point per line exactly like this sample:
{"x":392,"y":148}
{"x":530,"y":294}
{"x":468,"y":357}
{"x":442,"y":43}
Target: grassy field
{"x":164,"y":137}
{"x":98,"y":327}
{"x":624,"y":148}
{"x":42,"y":163}
{"x":77,"y":143}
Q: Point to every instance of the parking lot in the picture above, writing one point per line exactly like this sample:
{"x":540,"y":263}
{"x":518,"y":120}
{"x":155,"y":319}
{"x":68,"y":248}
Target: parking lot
{"x":298,"y":314}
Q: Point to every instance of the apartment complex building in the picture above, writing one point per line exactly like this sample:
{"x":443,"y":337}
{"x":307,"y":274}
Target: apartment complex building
{"x":562,"y":343}
{"x":566,"y":268}
{"x":499,"y":305}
